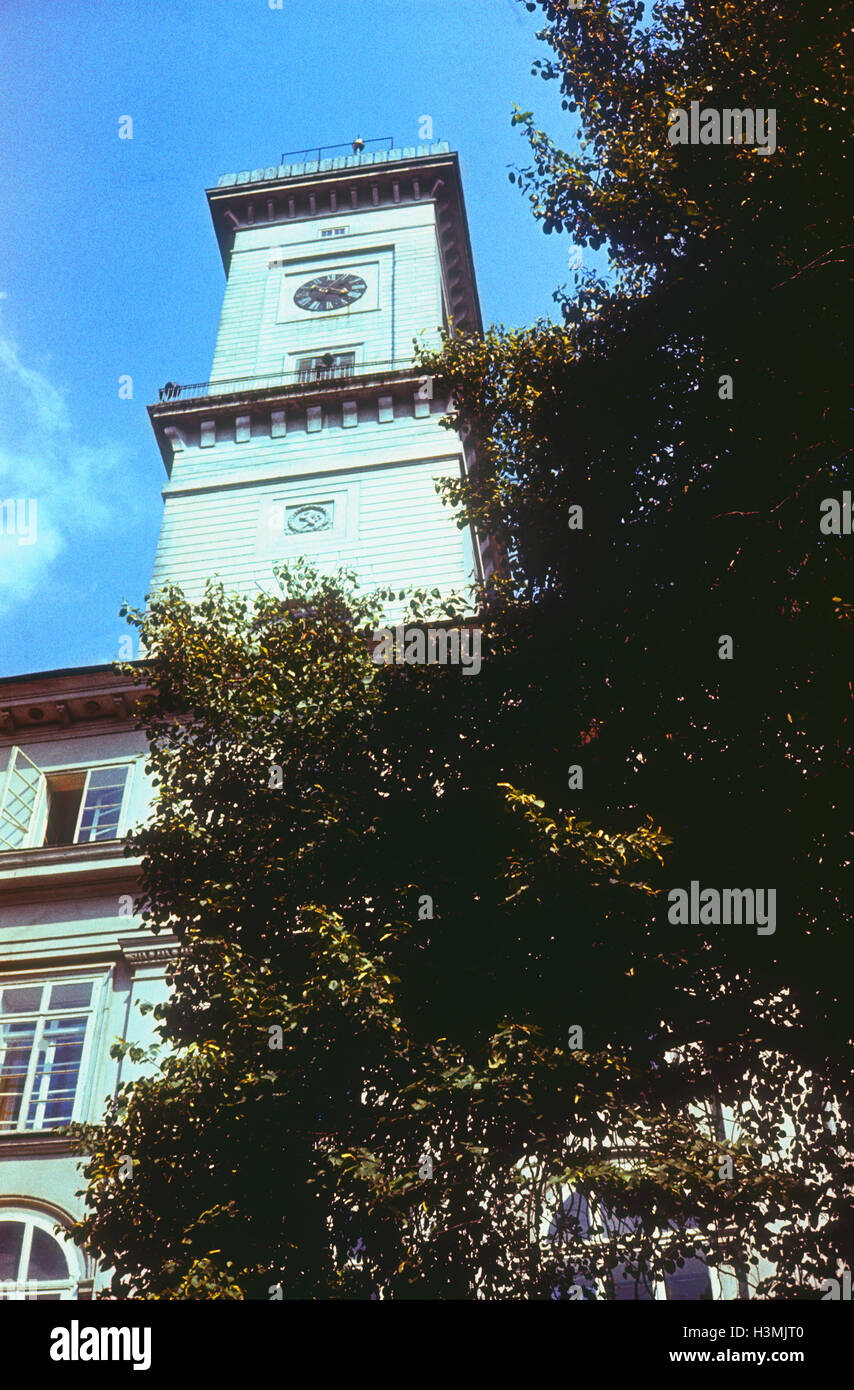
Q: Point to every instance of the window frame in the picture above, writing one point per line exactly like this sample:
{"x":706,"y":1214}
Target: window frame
{"x":94,"y":1014}
{"x":34,"y":836}
{"x":7,"y":793}
{"x":90,"y":769}
{"x":310,"y":367}
{"x":35,"y":1290}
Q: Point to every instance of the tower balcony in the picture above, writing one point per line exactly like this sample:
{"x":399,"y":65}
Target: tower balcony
{"x":201,"y":411}
{"x":325,"y":370}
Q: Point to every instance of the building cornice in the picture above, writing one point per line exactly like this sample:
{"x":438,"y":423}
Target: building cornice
{"x":39,"y":705}
{"x":279,"y":409}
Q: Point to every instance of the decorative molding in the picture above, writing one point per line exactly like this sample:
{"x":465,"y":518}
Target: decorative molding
{"x":307,"y":517}
{"x":29,"y":1145}
{"x":149,"y":955}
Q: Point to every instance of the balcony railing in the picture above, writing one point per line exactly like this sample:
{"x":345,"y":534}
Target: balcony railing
{"x":317,"y":374}
{"x":323,"y":151}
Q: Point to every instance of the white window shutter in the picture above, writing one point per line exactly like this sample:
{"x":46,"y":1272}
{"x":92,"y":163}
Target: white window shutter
{"x":20,"y":802}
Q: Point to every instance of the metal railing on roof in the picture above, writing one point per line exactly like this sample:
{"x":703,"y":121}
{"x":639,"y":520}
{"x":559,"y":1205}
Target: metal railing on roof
{"x":322,"y":151}
{"x":315,"y":374}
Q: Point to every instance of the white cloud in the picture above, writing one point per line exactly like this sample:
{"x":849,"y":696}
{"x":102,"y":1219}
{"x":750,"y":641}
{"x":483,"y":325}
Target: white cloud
{"x":56,"y":493}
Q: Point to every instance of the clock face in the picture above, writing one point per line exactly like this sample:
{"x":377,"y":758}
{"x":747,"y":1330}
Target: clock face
{"x":327,"y":292}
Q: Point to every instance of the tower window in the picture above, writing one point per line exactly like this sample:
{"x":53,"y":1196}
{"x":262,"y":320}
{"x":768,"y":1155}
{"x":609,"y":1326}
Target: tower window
{"x":325,"y":367}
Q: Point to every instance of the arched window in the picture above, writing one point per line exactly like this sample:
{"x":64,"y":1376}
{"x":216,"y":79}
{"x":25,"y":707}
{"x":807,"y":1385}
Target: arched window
{"x":34,"y":1264}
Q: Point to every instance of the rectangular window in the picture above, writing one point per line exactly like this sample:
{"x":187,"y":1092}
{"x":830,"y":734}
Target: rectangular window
{"x":326,"y":367}
{"x":45,"y":1034}
{"x":72,"y":807}
{"x":326,"y":232}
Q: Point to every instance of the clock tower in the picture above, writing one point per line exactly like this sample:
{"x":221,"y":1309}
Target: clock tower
{"x":316,"y":434}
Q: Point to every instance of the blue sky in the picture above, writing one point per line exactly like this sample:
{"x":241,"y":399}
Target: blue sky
{"x":108,"y":262}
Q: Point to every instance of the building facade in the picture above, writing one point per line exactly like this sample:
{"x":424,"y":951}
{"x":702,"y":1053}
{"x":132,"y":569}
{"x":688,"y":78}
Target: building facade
{"x":74,"y":963}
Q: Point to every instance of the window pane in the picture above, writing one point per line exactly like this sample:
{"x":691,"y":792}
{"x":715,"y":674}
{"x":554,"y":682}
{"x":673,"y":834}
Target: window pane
{"x":20,"y":999}
{"x":572,"y":1219}
{"x":11,"y":1240}
{"x":691,"y":1282}
{"x":16,"y":1045}
{"x":21,"y":797}
{"x":71,"y":996}
{"x":630,"y":1286}
{"x":107,"y":777}
{"x":57,"y":1070}
{"x":47,"y":1258}
{"x":102,"y":808}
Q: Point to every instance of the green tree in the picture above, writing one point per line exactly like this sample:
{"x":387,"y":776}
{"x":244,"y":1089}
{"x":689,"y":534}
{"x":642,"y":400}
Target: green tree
{"x":369,"y":1085}
{"x":702,"y":502}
